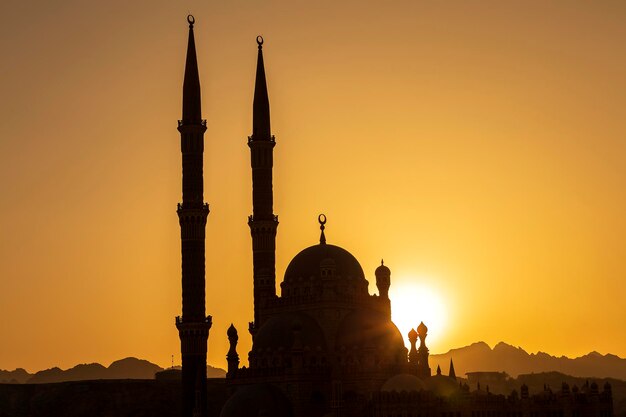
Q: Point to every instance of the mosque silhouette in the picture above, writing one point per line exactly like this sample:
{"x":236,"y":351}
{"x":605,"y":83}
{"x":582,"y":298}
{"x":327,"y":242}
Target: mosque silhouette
{"x":325,"y":346}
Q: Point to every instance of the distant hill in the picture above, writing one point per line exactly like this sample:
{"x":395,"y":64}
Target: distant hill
{"x":128,"y":368}
{"x":515,"y":361}
{"x":19,"y":376}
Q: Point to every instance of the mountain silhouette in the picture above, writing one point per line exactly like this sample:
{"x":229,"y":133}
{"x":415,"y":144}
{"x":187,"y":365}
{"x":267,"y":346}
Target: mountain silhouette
{"x":515,"y":361}
{"x":475,"y":357}
{"x":18,"y":376}
{"x":127,"y":368}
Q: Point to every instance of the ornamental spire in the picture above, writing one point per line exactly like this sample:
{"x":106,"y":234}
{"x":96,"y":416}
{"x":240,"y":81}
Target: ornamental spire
{"x":322,"y":219}
{"x":261,"y":105}
{"x":191,"y":84}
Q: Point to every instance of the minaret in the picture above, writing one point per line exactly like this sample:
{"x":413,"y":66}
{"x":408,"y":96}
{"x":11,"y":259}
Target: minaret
{"x":193,"y":326}
{"x":263,"y":223}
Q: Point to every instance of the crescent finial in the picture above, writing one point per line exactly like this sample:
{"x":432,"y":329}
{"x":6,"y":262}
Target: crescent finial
{"x":322,"y":220}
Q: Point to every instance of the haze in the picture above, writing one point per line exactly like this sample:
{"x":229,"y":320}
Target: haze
{"x":478,"y":147}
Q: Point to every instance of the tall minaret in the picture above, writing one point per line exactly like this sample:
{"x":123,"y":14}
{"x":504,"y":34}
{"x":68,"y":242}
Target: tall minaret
{"x":262,"y":222}
{"x":193,"y":326}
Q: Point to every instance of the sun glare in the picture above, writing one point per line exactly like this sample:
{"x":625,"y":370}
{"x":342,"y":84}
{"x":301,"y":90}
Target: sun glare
{"x":413,"y":303}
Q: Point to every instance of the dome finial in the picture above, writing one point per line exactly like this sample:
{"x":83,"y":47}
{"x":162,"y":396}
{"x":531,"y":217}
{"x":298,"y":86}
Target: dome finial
{"x":259,"y":41}
{"x":322,"y":219}
{"x":191,"y":20}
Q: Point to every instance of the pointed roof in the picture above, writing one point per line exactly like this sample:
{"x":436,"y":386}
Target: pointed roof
{"x":422,"y":329}
{"x":232,"y":331}
{"x":192,"y":113}
{"x":261,"y":105}
{"x":452,"y":374}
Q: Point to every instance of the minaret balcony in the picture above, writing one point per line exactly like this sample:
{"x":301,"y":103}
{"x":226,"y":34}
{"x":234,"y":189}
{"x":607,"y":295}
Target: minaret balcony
{"x":252,"y":139}
{"x":182,"y":123}
{"x":191,"y":325}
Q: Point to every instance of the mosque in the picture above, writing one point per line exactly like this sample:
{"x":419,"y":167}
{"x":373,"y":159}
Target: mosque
{"x":324,"y":346}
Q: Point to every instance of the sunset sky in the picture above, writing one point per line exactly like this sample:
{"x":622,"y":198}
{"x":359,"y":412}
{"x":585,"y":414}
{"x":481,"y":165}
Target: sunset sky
{"x":479,"y":147}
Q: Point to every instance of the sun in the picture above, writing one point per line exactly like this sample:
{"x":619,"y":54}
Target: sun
{"x":412,"y":303}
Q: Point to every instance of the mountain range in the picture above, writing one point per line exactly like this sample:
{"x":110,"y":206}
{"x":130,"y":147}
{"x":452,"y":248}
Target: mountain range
{"x":515,"y":361}
{"x":473,"y":358}
{"x":128,"y":368}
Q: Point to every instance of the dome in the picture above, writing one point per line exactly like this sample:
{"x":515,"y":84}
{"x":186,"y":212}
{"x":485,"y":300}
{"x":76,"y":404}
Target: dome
{"x":422,"y":329}
{"x":403,"y":382}
{"x":279,"y":332}
{"x":257,"y":400}
{"x":309,"y":262}
{"x":371,"y":329}
{"x":442,"y":385}
{"x":382,"y":270}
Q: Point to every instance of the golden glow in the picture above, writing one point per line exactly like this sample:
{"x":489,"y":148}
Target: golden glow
{"x":480,"y":143}
{"x":414,"y":302}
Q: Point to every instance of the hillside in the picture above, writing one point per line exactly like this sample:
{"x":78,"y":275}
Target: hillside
{"x":515,"y":361}
{"x":128,"y":368}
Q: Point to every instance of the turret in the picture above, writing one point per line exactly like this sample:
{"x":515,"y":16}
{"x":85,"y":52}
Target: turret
{"x":263,"y":223}
{"x":423,"y":367}
{"x":413,"y":355}
{"x":232,"y":357}
{"x":383,"y":279}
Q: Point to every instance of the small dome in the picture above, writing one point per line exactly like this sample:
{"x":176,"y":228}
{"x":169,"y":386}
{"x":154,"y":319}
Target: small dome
{"x":403,"y":382}
{"x":279,"y":332}
{"x":231,"y":332}
{"x":382,"y":270}
{"x":422,"y":329}
{"x":307,"y":263}
{"x":257,"y":400}
{"x":412,"y":335}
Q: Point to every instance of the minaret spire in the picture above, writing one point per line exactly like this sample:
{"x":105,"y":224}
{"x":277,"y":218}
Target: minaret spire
{"x":261,"y":105}
{"x":263,"y":222}
{"x":193,"y":326}
{"x":192,"y":112}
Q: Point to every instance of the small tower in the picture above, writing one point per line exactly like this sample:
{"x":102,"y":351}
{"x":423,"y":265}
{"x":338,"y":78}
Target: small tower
{"x":383,"y":282}
{"x":413,"y":355}
{"x":232,"y":357}
{"x":451,"y":373}
{"x":263,"y":222}
{"x":422,"y":352}
{"x":193,"y":327}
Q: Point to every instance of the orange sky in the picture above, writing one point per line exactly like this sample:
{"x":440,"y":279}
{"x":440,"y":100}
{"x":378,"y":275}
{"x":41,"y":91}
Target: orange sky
{"x":478,"y":147}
